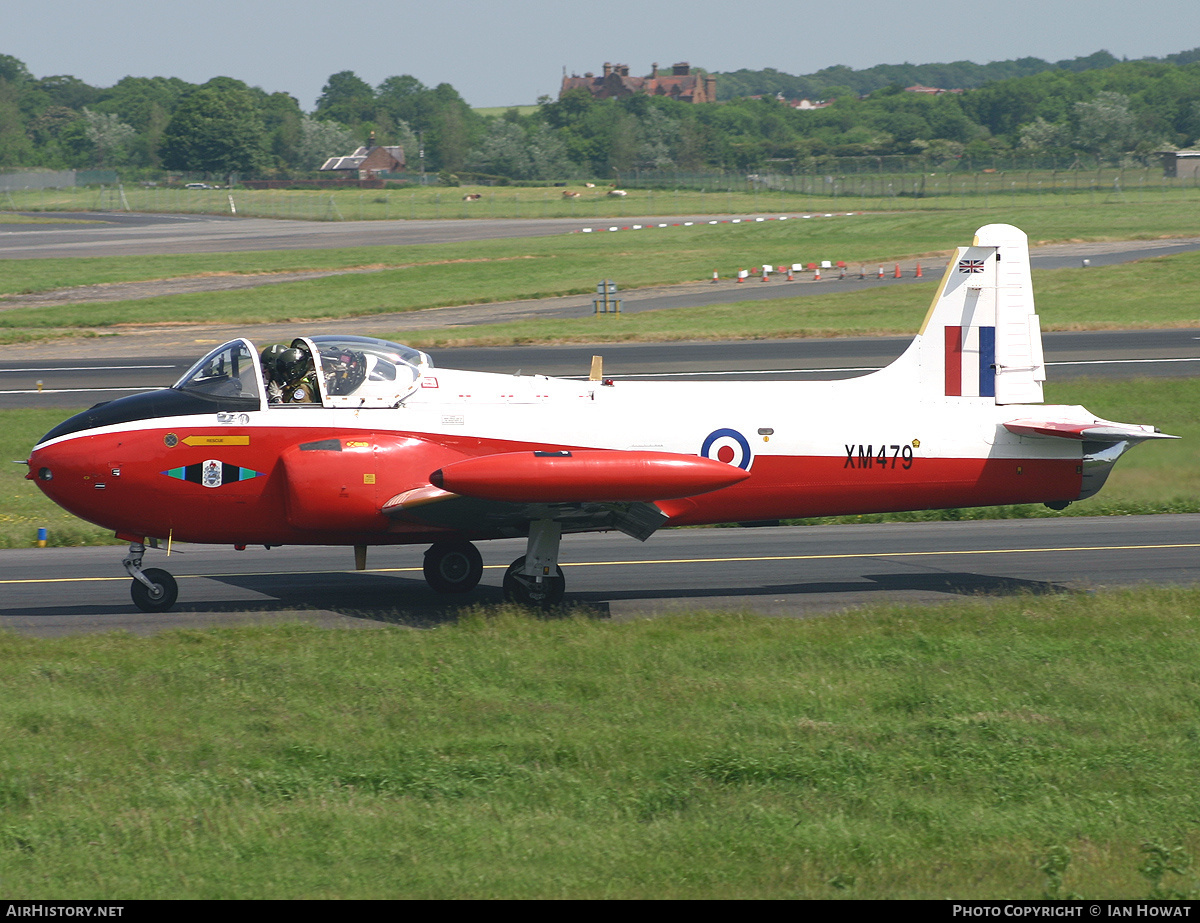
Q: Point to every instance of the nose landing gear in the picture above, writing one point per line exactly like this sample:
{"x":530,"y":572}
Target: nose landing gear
{"x":153,"y":589}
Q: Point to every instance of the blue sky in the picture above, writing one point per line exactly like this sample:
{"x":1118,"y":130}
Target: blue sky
{"x":498,"y":54}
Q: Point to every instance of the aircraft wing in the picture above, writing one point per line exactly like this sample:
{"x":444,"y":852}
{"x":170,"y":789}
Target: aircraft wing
{"x":1096,"y":431}
{"x":583,"y":490}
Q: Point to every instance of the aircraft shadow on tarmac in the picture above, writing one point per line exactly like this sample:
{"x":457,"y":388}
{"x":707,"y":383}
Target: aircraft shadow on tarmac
{"x":410,"y":602}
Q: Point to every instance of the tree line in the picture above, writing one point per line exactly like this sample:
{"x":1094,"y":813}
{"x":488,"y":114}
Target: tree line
{"x":1124,"y":109}
{"x":839,"y":80}
{"x":220,"y":127}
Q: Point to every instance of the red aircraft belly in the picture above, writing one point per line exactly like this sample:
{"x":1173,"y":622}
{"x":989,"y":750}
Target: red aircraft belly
{"x":266,"y":487}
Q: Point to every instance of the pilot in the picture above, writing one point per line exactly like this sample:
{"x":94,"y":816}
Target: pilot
{"x":270,"y":365}
{"x":294,"y":369}
{"x":345,"y":369}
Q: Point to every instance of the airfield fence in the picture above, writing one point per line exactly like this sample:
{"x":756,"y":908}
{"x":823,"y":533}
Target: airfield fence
{"x":888,"y":186}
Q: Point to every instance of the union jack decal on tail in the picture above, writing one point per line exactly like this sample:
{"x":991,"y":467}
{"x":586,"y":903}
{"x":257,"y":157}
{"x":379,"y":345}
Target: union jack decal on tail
{"x":970,"y":265}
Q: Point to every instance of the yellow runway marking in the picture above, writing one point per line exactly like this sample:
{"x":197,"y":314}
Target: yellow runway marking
{"x":735,"y":560}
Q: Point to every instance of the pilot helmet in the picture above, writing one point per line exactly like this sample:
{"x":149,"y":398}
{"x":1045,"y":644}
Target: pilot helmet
{"x":271,"y":354}
{"x":292,"y":363}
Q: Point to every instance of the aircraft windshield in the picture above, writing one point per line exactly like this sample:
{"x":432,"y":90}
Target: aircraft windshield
{"x":344,"y":371}
{"x":362,"y":371}
{"x":229,"y":371}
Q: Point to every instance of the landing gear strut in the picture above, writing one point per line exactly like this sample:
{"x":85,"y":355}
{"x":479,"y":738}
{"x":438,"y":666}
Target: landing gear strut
{"x":153,"y":590}
{"x":535,"y":579}
{"x":453,"y":566}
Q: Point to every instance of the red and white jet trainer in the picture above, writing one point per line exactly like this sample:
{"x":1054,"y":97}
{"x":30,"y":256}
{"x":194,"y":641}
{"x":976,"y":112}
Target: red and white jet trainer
{"x":371,"y":444}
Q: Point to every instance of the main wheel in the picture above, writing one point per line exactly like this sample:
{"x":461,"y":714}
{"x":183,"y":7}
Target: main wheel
{"x":159,"y":599}
{"x":453,"y":567}
{"x":525,"y":590}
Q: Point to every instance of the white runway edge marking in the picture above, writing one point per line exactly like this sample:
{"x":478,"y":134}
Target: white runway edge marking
{"x":789,"y":557}
{"x":703,"y":221}
{"x":813,"y":371}
{"x":866,"y":368}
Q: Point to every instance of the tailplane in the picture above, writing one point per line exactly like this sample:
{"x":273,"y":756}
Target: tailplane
{"x":981,"y":337}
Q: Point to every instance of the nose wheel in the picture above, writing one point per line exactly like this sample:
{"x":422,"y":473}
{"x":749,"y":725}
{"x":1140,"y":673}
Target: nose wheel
{"x":153,"y":589}
{"x":159,"y":596}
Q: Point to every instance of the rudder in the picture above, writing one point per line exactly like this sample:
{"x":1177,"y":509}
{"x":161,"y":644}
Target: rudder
{"x":982,"y":337}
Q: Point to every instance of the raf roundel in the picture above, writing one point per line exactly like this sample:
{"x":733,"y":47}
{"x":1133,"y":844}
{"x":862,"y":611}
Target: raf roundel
{"x":728,"y":446}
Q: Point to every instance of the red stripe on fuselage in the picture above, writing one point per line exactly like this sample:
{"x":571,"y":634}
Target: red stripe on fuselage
{"x":141,"y":500}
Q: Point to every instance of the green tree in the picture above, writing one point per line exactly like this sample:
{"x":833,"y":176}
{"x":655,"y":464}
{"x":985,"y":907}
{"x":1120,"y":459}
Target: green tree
{"x":504,"y":151}
{"x":217,"y":129}
{"x":321,"y":139}
{"x":15,"y":147}
{"x":67,"y":91}
{"x":346,"y":98}
{"x":109,"y":135}
{"x":1105,"y":126}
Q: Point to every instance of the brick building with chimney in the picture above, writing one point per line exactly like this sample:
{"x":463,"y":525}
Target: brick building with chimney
{"x":369,"y":160}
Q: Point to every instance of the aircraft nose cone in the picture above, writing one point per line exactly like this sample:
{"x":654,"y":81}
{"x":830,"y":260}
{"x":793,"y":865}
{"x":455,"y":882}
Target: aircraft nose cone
{"x":43,"y":467}
{"x":66,"y":473}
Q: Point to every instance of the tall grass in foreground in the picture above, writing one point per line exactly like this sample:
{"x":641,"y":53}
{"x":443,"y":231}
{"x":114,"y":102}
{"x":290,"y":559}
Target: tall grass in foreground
{"x":1020,"y":748}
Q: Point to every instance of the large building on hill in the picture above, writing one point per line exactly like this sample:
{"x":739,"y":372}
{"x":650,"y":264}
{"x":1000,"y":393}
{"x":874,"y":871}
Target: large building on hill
{"x":615,"y":83}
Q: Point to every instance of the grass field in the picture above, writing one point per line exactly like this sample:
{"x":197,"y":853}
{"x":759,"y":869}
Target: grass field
{"x":720,"y":195}
{"x":410,"y":278}
{"x":1022,"y":748}
{"x":1113,"y":297}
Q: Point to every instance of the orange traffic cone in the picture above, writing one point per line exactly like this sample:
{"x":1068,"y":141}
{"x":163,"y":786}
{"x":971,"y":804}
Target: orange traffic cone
{"x":791,"y":274}
{"x":919,"y":273}
{"x":881,"y":272}
{"x":715,"y":276}
{"x":897,"y":273}
{"x":817,"y":275}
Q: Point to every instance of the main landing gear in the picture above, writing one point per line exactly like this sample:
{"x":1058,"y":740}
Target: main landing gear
{"x":153,"y":590}
{"x":535,"y":579}
{"x":453,"y":566}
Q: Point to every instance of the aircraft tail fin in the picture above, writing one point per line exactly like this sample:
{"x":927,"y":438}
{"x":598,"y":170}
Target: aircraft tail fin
{"x":982,"y":337}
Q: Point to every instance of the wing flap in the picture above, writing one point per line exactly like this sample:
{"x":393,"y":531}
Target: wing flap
{"x":431,"y":506}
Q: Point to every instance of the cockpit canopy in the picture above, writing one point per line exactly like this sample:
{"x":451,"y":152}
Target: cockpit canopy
{"x":339,"y":371}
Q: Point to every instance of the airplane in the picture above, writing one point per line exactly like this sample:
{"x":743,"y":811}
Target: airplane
{"x":349,"y":440}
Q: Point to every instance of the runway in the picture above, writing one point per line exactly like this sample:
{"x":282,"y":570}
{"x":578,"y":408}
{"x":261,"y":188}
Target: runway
{"x":114,"y":234}
{"x":781,"y":571}
{"x":76,"y":383}
{"x":106,"y":234}
{"x":775,"y":571}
